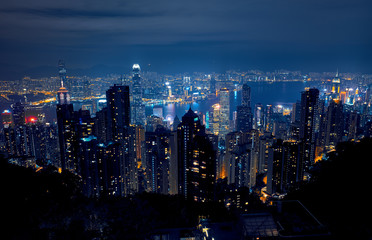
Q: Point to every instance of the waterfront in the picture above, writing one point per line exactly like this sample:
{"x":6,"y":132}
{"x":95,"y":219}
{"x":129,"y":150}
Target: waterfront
{"x":283,"y":93}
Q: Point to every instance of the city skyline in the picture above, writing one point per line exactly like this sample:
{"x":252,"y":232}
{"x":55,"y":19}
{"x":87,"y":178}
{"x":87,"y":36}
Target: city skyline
{"x":208,"y":120}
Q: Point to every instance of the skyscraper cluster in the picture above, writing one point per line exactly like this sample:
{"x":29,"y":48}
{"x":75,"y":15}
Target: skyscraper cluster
{"x":114,"y":155}
{"x":118,"y":150}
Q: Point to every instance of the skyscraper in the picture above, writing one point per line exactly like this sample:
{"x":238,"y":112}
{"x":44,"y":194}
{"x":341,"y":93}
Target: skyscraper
{"x":336,"y":83}
{"x":138,"y":108}
{"x":195,"y":159}
{"x":157,"y":157}
{"x":224,"y":112}
{"x":244,"y":112}
{"x":334,"y":124}
{"x":244,"y":119}
{"x":66,"y":126}
{"x":246,"y":95}
{"x":309,"y":118}
{"x":119,"y":131}
{"x":258,"y":116}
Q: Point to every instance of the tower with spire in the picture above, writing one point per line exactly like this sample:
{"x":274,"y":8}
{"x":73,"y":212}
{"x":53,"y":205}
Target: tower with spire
{"x":336,"y":84}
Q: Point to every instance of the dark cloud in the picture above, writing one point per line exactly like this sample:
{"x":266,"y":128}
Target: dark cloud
{"x":298,"y":34}
{"x":75,"y":13}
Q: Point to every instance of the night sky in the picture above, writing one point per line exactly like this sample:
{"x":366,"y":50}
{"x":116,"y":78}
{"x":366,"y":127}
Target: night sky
{"x":179,"y":36}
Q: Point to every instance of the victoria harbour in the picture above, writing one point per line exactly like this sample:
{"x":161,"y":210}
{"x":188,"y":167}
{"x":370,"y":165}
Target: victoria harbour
{"x":186,"y":120}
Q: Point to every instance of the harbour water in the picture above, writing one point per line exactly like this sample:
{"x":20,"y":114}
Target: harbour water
{"x":283,"y":93}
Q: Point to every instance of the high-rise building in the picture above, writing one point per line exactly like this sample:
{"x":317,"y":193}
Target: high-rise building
{"x":244,"y":119}
{"x":66,"y":129}
{"x":246,"y":95}
{"x":157,"y":157}
{"x":110,"y":169}
{"x":336,"y":84}
{"x":138,"y":108}
{"x":212,"y":85}
{"x":7,"y":119}
{"x":334,"y":124}
{"x":244,"y":112}
{"x":224,"y":112}
{"x":283,"y":169}
{"x":120,"y":131}
{"x":18,"y":112}
{"x":296,"y":112}
{"x":258,"y":116}
{"x":62,"y":72}
{"x":196,"y":159}
{"x":214,"y":119}
{"x":309,"y":119}
{"x":88,"y":165}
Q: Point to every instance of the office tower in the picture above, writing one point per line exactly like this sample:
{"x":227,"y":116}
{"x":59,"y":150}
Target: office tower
{"x":214,"y":119}
{"x":265,"y":143}
{"x":119,"y":131}
{"x":157,"y":157}
{"x":7,"y":119}
{"x":244,"y":119}
{"x":224,"y":112}
{"x":38,"y":140}
{"x":352,"y":125}
{"x":110,"y":169}
{"x":176,"y":122}
{"x":283,"y":167}
{"x":269,"y":120}
{"x":118,"y":112}
{"x":138,"y":108}
{"x":244,"y":112}
{"x":309,"y":118}
{"x":296,"y":112}
{"x":62,"y":72}
{"x":66,"y":131}
{"x":334,"y":123}
{"x":246,"y":95}
{"x":173,"y":162}
{"x":258,"y":116}
{"x":139,"y":139}
{"x":88,"y":165}
{"x":18,"y":112}
{"x":196,"y":159}
{"x":212,"y":85}
{"x":237,"y":159}
{"x":101,"y":125}
{"x":336,"y":84}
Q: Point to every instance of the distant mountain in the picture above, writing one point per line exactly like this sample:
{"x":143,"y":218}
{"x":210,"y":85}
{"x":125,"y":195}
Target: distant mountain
{"x":12,"y":72}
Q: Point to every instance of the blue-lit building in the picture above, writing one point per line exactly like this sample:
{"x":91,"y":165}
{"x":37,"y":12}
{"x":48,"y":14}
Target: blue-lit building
{"x":196,"y":158}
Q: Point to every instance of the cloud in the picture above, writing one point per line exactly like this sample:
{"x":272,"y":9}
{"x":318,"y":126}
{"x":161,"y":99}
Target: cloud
{"x":252,"y":28}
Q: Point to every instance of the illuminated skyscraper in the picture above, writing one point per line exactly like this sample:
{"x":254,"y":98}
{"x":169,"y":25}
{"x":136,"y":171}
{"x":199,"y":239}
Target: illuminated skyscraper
{"x":214,"y":119}
{"x":309,"y":118}
{"x":157,"y":157}
{"x":258,"y":116}
{"x":336,"y":84}
{"x":224,"y":112}
{"x":334,"y":123}
{"x":18,"y":111}
{"x":138,"y":108}
{"x":196,"y":159}
{"x":244,"y":112}
{"x":120,"y":131}
{"x":62,"y":72}
{"x":66,"y":125}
